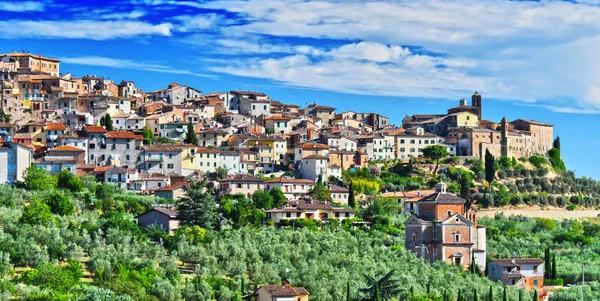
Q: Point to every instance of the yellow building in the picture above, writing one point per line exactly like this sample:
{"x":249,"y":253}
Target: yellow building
{"x":189,"y":159}
{"x":35,"y":62}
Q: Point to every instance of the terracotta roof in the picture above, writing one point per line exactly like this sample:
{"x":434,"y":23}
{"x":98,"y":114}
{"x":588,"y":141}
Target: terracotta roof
{"x":338,"y":189}
{"x":277,"y":117}
{"x":123,"y":135}
{"x":284,"y":291}
{"x":417,"y":193}
{"x":94,"y":129}
{"x":517,"y":261}
{"x":172,"y":187}
{"x":243,"y":178}
{"x":315,"y":157}
{"x":101,"y":169}
{"x":314,"y":146}
{"x":283,"y":179}
{"x":206,"y":150}
{"x":55,"y":126}
{"x":161,"y":148}
{"x":445,"y":198}
{"x":67,"y":148}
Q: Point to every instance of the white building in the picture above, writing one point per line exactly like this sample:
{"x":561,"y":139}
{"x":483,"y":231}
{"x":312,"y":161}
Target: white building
{"x":292,"y":188}
{"x":314,"y":165}
{"x":231,"y":162}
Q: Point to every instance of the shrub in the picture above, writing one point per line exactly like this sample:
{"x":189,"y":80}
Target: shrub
{"x":555,"y":282}
{"x":561,"y":200}
{"x":537,"y":161}
{"x":571,"y":207}
{"x":516,"y":200}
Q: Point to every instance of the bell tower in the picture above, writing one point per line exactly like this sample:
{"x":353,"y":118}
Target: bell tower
{"x":476,"y":102}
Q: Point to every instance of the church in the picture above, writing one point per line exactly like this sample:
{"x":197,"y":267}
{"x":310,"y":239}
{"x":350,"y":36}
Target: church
{"x":441,"y":229}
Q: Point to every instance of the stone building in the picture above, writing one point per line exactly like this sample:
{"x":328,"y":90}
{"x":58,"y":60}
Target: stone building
{"x":443,"y":230}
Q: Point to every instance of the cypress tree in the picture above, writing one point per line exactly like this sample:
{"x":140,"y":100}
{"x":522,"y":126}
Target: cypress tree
{"x":351,"y":200}
{"x":547,"y":267}
{"x":377,"y":293}
{"x":429,"y":289}
{"x":475,"y":296}
{"x":490,"y":169}
{"x":190,"y":135}
{"x":520,"y":295}
{"x":535,"y":295}
{"x":553,"y":275}
{"x":556,"y":143}
{"x":108,"y":122}
{"x":459,"y":298}
{"x":348,"y":291}
{"x":412,"y":291}
{"x":445,"y":296}
{"x":505,"y":295}
{"x":491,"y":294}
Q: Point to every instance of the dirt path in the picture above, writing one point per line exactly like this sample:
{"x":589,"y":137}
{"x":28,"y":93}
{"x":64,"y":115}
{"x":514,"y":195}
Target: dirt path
{"x":554,"y":213}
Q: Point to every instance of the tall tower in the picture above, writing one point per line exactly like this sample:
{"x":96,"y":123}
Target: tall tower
{"x":476,"y":102}
{"x":505,"y":149}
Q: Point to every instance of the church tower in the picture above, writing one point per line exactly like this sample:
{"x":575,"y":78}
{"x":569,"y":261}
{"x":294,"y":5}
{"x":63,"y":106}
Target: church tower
{"x":476,"y":102}
{"x":505,"y":141}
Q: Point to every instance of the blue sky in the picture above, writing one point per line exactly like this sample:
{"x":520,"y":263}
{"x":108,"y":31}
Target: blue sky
{"x":529,"y":59}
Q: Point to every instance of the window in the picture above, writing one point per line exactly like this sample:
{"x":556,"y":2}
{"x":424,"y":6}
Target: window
{"x":127,"y":156}
{"x":456,"y":236}
{"x":288,"y":214}
{"x":414,"y":237}
{"x":160,"y":165}
{"x":427,"y":213}
{"x":535,"y":282}
{"x":412,"y":141}
{"x":449,"y":212}
{"x":91,"y":157}
{"x":128,"y":146}
{"x":535,"y":269}
{"x":170,"y":165}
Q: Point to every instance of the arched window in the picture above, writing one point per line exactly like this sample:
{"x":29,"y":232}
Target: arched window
{"x":414,"y":237}
{"x":456,"y":236}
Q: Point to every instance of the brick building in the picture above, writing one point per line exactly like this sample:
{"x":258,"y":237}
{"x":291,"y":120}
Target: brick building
{"x":444,"y":230}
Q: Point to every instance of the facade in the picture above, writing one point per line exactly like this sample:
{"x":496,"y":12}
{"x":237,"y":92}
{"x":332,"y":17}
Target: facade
{"x":521,"y":272}
{"x":163,"y":218}
{"x":15,"y":158}
{"x":283,"y":292}
{"x":231,"y":162}
{"x":443,"y":231}
{"x":208,"y":159}
{"x":410,"y":142}
{"x":212,"y":138}
{"x":162,"y":159}
{"x":339,"y":194}
{"x":242,"y":184}
{"x":308,"y":209}
{"x":292,"y":188}
{"x":313,"y":166}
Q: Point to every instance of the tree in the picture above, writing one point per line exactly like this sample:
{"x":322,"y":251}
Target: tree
{"x":380,"y":289}
{"x":348,"y":297}
{"x":475,"y":296}
{"x":4,"y":117}
{"x":535,"y":295}
{"x":435,"y":152}
{"x":491,"y":294}
{"x":262,"y":199}
{"x":37,"y":213}
{"x":190,"y":135}
{"x":473,"y":269}
{"x":37,"y":178}
{"x":505,"y":297}
{"x":490,"y":168}
{"x":197,"y":207}
{"x":553,"y":275}
{"x":69,"y":181}
{"x":320,"y":192}
{"x":108,"y":122}
{"x":520,"y":295}
{"x":547,"y":263}
{"x":278,"y":197}
{"x":60,"y":204}
{"x":351,"y":200}
{"x":320,"y":180}
{"x":221,"y":172}
{"x":459,"y":297}
{"x":465,"y":181}
{"x":556,"y":143}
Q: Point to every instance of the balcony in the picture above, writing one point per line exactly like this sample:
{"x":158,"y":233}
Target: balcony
{"x":155,"y":159}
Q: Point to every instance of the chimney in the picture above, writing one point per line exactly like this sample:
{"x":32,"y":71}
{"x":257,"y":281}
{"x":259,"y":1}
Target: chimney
{"x":285,"y":283}
{"x":463,"y":102}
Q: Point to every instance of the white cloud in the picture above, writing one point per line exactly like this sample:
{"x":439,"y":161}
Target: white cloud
{"x":21,"y":6}
{"x":372,"y":69}
{"x":126,"y":64}
{"x":190,"y":23}
{"x":135,"y":14}
{"x":82,"y":29}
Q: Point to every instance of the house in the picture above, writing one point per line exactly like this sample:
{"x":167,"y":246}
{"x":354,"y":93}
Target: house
{"x":174,"y":191}
{"x":410,"y":142}
{"x":522,"y":272}
{"x":231,"y":162}
{"x":163,"y":159}
{"x":174,"y":94}
{"x":310,"y":149}
{"x":277,"y":124}
{"x":443,"y":231}
{"x":339,"y":194}
{"x":77,"y":139}
{"x":53,"y":130}
{"x":314,"y":165}
{"x":284,"y":292}
{"x":118,"y":176}
{"x":343,"y":159}
{"x":292,"y":188}
{"x":62,"y":157}
{"x":208,"y":159}
{"x":243,"y":184}
{"x":120,"y":148}
{"x":308,"y":209}
{"x":325,"y":113}
{"x":95,"y":135}
{"x":15,"y":158}
{"x":212,"y":137}
{"x":160,"y":217}
{"x":174,"y":130}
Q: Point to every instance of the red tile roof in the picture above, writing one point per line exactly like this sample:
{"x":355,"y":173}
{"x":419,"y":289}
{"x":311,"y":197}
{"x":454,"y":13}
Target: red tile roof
{"x":67,"y":148}
{"x":314,"y":146}
{"x":283,"y":179}
{"x":94,"y":129}
{"x":55,"y":126}
{"x":123,"y":135}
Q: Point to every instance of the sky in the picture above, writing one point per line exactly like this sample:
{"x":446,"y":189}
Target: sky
{"x":529,"y":59}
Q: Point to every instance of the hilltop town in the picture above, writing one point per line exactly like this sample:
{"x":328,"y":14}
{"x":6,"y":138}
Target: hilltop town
{"x":141,"y":140}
